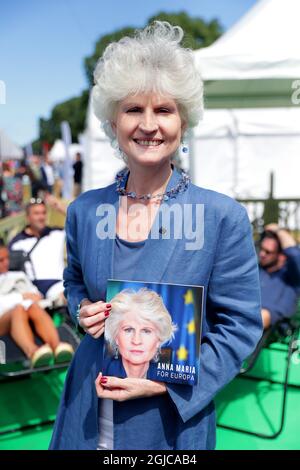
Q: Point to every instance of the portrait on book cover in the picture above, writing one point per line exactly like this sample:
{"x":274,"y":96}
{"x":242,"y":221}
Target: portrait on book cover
{"x":153,"y":331}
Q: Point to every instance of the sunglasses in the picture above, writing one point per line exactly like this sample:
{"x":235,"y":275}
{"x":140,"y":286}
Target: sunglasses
{"x":34,"y":200}
{"x":268,"y":252}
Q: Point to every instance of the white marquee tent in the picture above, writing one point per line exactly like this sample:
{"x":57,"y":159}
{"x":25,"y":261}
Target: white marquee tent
{"x":255,"y":64}
{"x":8,"y":149}
{"x":263,"y":44}
{"x":251,"y":68}
{"x":100,"y":164}
{"x":58,"y":151}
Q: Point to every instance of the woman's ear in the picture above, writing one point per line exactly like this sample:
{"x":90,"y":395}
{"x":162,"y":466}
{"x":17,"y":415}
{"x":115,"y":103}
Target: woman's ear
{"x":113,"y":127}
{"x":183,"y":128}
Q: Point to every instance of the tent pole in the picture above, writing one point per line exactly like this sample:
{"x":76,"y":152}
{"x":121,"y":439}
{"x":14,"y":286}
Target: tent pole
{"x":235,"y":134}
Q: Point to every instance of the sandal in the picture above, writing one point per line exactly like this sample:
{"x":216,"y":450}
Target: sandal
{"x":42,"y":357}
{"x":63,"y":353}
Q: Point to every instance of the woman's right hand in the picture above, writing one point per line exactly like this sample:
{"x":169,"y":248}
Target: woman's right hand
{"x":92,"y":317}
{"x":35,"y":297}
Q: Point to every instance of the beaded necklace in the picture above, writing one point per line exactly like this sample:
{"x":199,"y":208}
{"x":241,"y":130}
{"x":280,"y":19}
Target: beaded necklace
{"x":181,"y":186}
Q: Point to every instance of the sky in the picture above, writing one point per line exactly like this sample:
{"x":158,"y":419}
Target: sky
{"x":43,"y":44}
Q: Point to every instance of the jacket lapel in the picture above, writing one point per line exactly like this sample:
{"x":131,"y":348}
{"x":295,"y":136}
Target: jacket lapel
{"x":105,"y":246}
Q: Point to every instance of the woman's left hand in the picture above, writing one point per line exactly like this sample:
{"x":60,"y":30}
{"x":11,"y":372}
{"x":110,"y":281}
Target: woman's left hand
{"x":127,"y":389}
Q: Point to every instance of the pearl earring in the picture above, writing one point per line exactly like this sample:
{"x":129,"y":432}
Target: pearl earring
{"x":157,"y":355}
{"x":184,"y":147}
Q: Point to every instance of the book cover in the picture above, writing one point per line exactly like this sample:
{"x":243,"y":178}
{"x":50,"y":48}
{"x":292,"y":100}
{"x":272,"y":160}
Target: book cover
{"x":153,"y":331}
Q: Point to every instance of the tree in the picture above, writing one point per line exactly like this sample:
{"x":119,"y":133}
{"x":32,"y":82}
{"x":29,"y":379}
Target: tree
{"x":198,"y":33}
{"x":91,"y":61}
{"x":73,"y":111}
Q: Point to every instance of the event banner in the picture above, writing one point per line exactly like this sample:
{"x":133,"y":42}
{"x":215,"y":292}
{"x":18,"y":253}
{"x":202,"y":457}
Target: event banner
{"x":153,"y":331}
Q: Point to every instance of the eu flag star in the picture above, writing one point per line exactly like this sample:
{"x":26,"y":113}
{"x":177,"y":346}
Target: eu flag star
{"x":182,"y":353}
{"x":188,"y":297}
{"x":191,"y":327}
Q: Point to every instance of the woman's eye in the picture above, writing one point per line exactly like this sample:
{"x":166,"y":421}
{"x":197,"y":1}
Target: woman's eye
{"x":128,"y":330}
{"x":133,"y":110}
{"x":146,"y":331}
{"x":163,"y":110}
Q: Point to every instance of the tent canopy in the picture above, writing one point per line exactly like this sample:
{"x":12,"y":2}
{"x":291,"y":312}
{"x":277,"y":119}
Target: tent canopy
{"x":261,"y":52}
{"x":58,"y":151}
{"x":8,"y":149}
{"x":253,"y":65}
{"x":101,"y":163}
{"x":235,"y":150}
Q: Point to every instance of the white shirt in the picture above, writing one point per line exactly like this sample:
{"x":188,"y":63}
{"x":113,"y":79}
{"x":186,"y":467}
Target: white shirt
{"x":49,"y":174}
{"x":106,"y":425}
{"x":47,"y":257}
{"x":12,"y":285}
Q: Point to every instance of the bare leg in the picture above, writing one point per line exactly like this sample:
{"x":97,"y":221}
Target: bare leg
{"x":266,"y":318}
{"x":21,"y":332}
{"x":5,"y":322}
{"x":44,"y":325}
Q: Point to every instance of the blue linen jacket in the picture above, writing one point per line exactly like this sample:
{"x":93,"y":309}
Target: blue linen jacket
{"x":225,"y":265}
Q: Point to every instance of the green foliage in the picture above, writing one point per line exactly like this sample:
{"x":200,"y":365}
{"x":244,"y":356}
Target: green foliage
{"x":91,"y":61}
{"x":198,"y":33}
{"x":73,"y":111}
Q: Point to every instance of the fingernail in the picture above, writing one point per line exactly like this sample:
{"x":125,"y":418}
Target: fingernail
{"x":106,"y":314}
{"x":103,"y":380}
{"x":108,"y":305}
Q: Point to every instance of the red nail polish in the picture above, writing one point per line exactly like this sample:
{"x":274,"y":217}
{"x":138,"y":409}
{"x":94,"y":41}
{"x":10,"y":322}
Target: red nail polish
{"x":106,"y":314}
{"x":103,"y":380}
{"x":108,"y":305}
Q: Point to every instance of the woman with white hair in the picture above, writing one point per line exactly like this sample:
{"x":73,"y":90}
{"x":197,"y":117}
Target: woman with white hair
{"x":138,"y":325}
{"x":154,"y":225}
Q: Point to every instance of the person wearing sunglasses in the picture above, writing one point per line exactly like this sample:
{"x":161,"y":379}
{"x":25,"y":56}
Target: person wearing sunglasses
{"x":279,"y":260}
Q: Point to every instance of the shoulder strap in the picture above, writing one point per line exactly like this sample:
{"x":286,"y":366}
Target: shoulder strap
{"x":31,"y":250}
{"x":29,"y":258}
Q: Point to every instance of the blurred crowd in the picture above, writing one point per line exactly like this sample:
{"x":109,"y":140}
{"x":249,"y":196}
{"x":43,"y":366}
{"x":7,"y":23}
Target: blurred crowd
{"x":39,"y":175}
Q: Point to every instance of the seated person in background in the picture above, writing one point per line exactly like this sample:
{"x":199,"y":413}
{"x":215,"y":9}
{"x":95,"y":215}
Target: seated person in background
{"x":19,"y":308}
{"x":46,"y":265}
{"x":279,"y":260}
{"x":47,"y":173}
{"x":12,"y":190}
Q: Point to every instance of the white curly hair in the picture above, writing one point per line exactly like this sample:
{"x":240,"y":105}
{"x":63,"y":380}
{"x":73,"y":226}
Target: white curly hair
{"x":150,"y":307}
{"x":151,"y":61}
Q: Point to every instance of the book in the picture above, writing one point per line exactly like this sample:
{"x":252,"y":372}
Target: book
{"x":153,"y":331}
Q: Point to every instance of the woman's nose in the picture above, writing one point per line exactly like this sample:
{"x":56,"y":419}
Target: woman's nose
{"x":136,"y":338}
{"x":148,"y":123}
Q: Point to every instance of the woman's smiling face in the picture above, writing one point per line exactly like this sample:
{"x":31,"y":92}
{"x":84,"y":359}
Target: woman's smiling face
{"x":148,"y":128}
